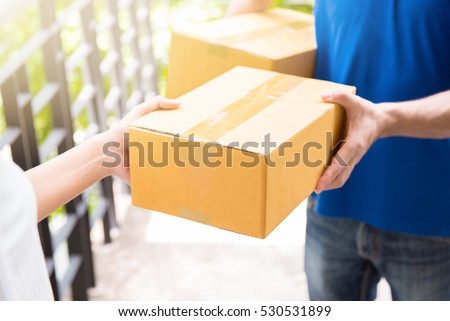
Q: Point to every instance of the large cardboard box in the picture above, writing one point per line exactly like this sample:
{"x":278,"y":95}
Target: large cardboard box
{"x":281,"y":40}
{"x":240,"y":153}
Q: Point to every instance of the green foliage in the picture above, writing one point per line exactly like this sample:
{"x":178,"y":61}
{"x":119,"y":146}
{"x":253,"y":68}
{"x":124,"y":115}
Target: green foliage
{"x":13,"y":35}
{"x":290,"y":4}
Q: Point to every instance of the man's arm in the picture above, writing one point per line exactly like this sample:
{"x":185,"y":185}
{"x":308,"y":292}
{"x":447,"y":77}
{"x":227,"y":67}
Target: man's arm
{"x":243,"y":6}
{"x":423,"y":118}
{"x":63,"y":178}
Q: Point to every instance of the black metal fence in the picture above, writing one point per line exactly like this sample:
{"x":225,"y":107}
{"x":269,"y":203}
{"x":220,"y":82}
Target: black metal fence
{"x":128,"y":68}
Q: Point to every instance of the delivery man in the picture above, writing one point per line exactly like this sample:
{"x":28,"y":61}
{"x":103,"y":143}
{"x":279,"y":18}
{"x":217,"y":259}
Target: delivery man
{"x":385,"y":210}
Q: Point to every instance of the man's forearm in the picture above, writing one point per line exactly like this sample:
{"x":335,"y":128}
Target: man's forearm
{"x":424,"y":118}
{"x":245,"y":6}
{"x":63,"y":178}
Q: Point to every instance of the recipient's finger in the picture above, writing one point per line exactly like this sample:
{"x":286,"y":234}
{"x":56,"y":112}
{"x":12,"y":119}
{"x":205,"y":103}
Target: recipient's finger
{"x":166,"y":103}
{"x":157,"y":102}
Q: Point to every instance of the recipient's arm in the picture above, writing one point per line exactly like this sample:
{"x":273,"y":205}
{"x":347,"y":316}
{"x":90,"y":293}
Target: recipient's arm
{"x":63,"y":178}
{"x":245,"y":6}
{"x":423,"y":118}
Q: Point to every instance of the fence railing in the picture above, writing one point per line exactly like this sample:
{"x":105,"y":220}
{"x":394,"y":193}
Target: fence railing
{"x":111,"y":78}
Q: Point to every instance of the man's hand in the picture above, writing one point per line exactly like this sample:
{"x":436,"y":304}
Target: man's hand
{"x":365,"y":124}
{"x":428,"y":117}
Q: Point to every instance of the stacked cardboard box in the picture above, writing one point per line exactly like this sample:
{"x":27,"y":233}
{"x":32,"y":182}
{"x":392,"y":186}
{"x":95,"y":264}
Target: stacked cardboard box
{"x":279,"y":40}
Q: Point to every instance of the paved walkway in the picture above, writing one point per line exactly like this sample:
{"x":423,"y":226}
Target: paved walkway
{"x":159,"y":257}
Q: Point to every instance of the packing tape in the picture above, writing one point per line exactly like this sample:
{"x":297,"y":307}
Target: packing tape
{"x":218,"y":47}
{"x":194,"y":216}
{"x":256,"y":100}
{"x":258,"y":34}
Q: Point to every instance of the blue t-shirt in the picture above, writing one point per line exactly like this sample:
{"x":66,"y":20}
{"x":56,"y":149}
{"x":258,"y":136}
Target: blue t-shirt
{"x":391,"y":50}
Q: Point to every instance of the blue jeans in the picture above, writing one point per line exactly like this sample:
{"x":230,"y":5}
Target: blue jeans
{"x":345,"y":259}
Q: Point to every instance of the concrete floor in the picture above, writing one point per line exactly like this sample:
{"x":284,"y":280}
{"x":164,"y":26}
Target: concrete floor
{"x":159,"y":257}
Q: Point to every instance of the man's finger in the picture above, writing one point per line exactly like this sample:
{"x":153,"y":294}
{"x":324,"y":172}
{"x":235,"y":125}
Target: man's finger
{"x":339,"y":180}
{"x":343,"y":159}
{"x":328,"y":176}
{"x":343,"y":98}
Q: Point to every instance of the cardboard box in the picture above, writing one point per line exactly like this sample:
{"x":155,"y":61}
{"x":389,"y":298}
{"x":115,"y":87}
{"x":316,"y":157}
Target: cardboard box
{"x":210,"y":160}
{"x":281,"y":40}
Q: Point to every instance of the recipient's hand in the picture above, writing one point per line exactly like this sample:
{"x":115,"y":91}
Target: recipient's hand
{"x":365,"y":124}
{"x":118,"y":135}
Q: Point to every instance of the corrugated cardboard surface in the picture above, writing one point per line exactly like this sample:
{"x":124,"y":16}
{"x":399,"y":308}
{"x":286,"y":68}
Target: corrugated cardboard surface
{"x":281,"y":40}
{"x":243,"y":105}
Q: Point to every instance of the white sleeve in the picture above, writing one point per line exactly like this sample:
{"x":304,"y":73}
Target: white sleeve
{"x":23,"y":273}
